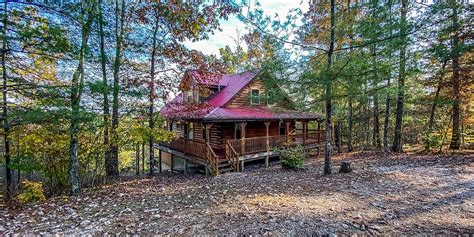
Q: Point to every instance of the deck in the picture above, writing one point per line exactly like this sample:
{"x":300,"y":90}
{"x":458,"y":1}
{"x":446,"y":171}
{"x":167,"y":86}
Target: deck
{"x":238,"y":151}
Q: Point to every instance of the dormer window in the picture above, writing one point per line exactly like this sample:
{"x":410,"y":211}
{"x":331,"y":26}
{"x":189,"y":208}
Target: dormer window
{"x":255,"y":97}
{"x":270,"y":97}
{"x":189,"y":96}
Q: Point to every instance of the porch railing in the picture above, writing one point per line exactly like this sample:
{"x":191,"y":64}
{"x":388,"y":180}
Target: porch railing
{"x":188,"y":147}
{"x":254,"y":145}
{"x":198,"y":149}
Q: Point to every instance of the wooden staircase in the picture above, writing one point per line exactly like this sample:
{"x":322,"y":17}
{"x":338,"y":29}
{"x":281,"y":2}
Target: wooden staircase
{"x":225,"y":165}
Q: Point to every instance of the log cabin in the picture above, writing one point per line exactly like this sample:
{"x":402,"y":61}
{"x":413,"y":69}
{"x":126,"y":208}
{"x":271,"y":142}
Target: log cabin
{"x":225,"y":120}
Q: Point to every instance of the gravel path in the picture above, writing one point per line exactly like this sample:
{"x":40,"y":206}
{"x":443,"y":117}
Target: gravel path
{"x":404,"y":194}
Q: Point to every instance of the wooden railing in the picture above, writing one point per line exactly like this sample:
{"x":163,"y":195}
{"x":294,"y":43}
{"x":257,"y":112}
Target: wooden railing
{"x":188,"y":147}
{"x":232,"y":156}
{"x":212,"y":159}
{"x":198,"y":149}
{"x":254,"y":145}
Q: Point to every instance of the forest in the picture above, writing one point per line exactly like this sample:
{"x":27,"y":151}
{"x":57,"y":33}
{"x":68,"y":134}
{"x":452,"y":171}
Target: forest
{"x":83,"y":81}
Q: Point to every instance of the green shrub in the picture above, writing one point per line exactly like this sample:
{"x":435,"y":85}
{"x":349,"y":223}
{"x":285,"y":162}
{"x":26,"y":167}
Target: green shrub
{"x":32,"y":192}
{"x":292,"y":157}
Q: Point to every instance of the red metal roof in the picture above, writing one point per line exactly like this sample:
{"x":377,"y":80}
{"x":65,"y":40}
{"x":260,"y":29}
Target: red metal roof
{"x":256,"y":113}
{"x":214,"y":109}
{"x":233,"y":84}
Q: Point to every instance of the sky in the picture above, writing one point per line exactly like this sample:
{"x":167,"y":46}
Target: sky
{"x":231,"y":26}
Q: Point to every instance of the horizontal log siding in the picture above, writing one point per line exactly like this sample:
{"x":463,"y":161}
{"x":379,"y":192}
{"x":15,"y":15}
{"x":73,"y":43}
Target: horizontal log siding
{"x":243,"y":97}
{"x":197,"y":130}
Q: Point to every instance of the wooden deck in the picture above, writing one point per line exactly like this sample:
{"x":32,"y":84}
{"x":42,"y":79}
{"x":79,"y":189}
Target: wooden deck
{"x":238,"y":151}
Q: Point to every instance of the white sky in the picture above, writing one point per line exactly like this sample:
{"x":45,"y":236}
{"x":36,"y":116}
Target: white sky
{"x":229,"y":28}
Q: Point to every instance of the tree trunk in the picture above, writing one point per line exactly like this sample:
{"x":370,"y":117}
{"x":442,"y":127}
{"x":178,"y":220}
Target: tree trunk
{"x":349,"y":129}
{"x":456,"y":81}
{"x":103,"y":62}
{"x":328,"y":152}
{"x":337,"y":133}
{"x":152,"y":97}
{"x":112,"y":166}
{"x":137,"y":159}
{"x":386,"y":119}
{"x":397,"y":138}
{"x":77,"y":84}
{"x":6,"y":126}
{"x":433,"y":110}
{"x":376,"y":129}
{"x":143,"y":156}
{"x":376,"y":132}
{"x":388,"y":98}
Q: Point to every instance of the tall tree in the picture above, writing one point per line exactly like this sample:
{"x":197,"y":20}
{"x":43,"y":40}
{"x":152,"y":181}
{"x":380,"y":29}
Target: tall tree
{"x":77,"y":86}
{"x":6,"y":126}
{"x":328,"y":152}
{"x":105,"y":85}
{"x":112,"y":168}
{"x":397,"y":139}
{"x":151,"y":114}
{"x":456,"y":78}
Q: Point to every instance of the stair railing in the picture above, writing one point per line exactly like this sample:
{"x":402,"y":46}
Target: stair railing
{"x":232,"y":156}
{"x":212,"y":160}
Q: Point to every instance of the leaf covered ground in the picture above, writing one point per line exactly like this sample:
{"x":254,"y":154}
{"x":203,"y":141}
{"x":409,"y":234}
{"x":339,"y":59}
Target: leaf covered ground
{"x":404,"y":194}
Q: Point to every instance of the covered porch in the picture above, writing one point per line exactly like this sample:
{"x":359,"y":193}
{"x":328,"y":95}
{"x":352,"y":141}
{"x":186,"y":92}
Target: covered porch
{"x":224,"y":146}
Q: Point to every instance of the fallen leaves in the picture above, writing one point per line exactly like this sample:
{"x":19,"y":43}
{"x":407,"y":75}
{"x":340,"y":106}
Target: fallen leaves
{"x":385,"y":194}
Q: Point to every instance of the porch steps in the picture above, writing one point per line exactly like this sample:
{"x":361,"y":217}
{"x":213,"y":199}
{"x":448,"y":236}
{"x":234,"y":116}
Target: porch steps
{"x":225,"y":166}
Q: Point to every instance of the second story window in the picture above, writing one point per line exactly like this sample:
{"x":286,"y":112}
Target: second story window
{"x":189,"y":96}
{"x":255,"y":97}
{"x":270,"y":97}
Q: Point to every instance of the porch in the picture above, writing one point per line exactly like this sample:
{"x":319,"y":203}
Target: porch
{"x":228,"y":155}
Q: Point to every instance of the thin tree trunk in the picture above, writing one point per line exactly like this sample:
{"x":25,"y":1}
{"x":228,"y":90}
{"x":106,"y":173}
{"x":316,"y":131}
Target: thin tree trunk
{"x":137,"y":159}
{"x":456,"y":81}
{"x":349,"y":129}
{"x":143,"y":163}
{"x":376,"y":129}
{"x":433,"y":111}
{"x":6,"y":126}
{"x":77,"y":85}
{"x":397,"y":138}
{"x":106,"y":108}
{"x":143,"y":154}
{"x":328,"y":152}
{"x":112,"y":166}
{"x":337,"y":131}
{"x":377,"y":141}
{"x":152,"y":97}
{"x":388,"y":98}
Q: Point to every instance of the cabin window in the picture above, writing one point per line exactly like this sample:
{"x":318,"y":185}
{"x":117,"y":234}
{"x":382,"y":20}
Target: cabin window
{"x":282,"y":129}
{"x":270,"y":97}
{"x":238,"y":132}
{"x":196,"y":94}
{"x":189,"y":96}
{"x":191,"y":130}
{"x":204,"y":135}
{"x":255,"y":97}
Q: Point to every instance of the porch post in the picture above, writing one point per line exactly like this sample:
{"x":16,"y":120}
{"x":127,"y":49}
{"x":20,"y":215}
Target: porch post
{"x":159,"y":159}
{"x":172,"y":163}
{"x":185,"y":166}
{"x":242,"y":141}
{"x":288,"y":131}
{"x":267,"y":125}
{"x":305,"y":126}
{"x":207,"y":128}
